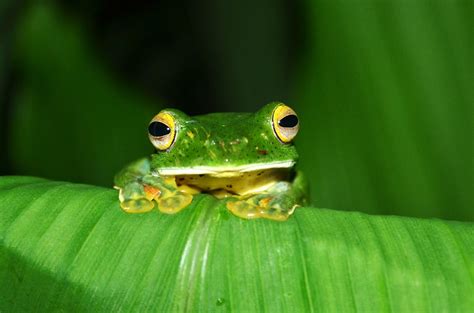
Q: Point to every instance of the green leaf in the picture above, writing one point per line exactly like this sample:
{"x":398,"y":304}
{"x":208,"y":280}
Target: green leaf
{"x":95,"y":124}
{"x":69,"y":247}
{"x":386,"y":89}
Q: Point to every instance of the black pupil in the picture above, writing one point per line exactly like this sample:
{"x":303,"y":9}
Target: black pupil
{"x":158,"y":129}
{"x":289,"y":121}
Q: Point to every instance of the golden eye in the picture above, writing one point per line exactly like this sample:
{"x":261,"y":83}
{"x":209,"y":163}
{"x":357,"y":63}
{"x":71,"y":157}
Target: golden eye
{"x":285,"y":123}
{"x":162,"y":131}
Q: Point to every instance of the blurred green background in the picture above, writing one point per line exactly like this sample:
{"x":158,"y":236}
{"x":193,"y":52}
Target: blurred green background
{"x":384,"y":89}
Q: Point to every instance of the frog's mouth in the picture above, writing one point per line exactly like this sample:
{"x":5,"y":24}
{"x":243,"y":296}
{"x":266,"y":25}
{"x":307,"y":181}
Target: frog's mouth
{"x":237,"y":180}
{"x":224,"y":171}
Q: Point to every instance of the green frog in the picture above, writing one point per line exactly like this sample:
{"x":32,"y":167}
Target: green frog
{"x":248,"y":159}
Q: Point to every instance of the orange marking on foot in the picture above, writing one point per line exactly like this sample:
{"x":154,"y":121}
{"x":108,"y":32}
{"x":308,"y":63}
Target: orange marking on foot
{"x":151,"y":192}
{"x":264,"y":202}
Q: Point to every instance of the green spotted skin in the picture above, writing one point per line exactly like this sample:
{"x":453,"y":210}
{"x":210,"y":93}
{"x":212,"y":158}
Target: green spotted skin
{"x":224,"y":139}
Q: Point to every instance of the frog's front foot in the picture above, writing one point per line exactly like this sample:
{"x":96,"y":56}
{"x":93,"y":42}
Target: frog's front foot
{"x":262,"y":206}
{"x":173,"y":202}
{"x":138,"y":198}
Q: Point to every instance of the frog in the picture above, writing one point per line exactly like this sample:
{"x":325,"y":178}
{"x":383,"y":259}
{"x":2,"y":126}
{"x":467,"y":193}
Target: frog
{"x":247,"y":160}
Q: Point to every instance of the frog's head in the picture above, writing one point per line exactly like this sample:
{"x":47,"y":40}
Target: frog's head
{"x":223,"y":144}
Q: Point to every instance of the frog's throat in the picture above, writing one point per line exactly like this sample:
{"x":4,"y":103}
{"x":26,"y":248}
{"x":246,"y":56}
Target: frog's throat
{"x":222,"y":171}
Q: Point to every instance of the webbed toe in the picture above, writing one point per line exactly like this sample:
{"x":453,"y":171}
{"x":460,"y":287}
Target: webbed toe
{"x":174,"y":202}
{"x":243,"y":209}
{"x":259,"y":207}
{"x":137,"y":205}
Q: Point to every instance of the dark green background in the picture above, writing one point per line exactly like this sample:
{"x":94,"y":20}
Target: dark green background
{"x":384,"y":89}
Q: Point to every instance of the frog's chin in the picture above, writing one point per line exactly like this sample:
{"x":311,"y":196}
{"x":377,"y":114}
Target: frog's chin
{"x":223,"y":171}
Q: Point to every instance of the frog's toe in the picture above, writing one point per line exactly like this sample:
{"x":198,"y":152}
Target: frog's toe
{"x":278,"y":208}
{"x":243,"y":209}
{"x":175,"y":202}
{"x":275,"y":214}
{"x":137,"y":205}
{"x":133,"y":199}
{"x":274,"y":210}
{"x":261,"y":207}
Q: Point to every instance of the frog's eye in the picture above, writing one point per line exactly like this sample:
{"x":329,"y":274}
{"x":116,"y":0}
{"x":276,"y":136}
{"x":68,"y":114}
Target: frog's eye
{"x":162,"y":131}
{"x":285,"y":123}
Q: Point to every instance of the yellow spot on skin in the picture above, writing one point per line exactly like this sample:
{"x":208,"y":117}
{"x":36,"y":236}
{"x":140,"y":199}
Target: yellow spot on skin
{"x":223,"y":146}
{"x":190,"y":134}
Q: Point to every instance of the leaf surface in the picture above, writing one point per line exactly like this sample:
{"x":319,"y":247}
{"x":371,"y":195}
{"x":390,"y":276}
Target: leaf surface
{"x":69,"y":247}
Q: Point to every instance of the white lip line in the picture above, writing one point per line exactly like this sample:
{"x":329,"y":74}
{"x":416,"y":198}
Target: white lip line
{"x":197,"y":170}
